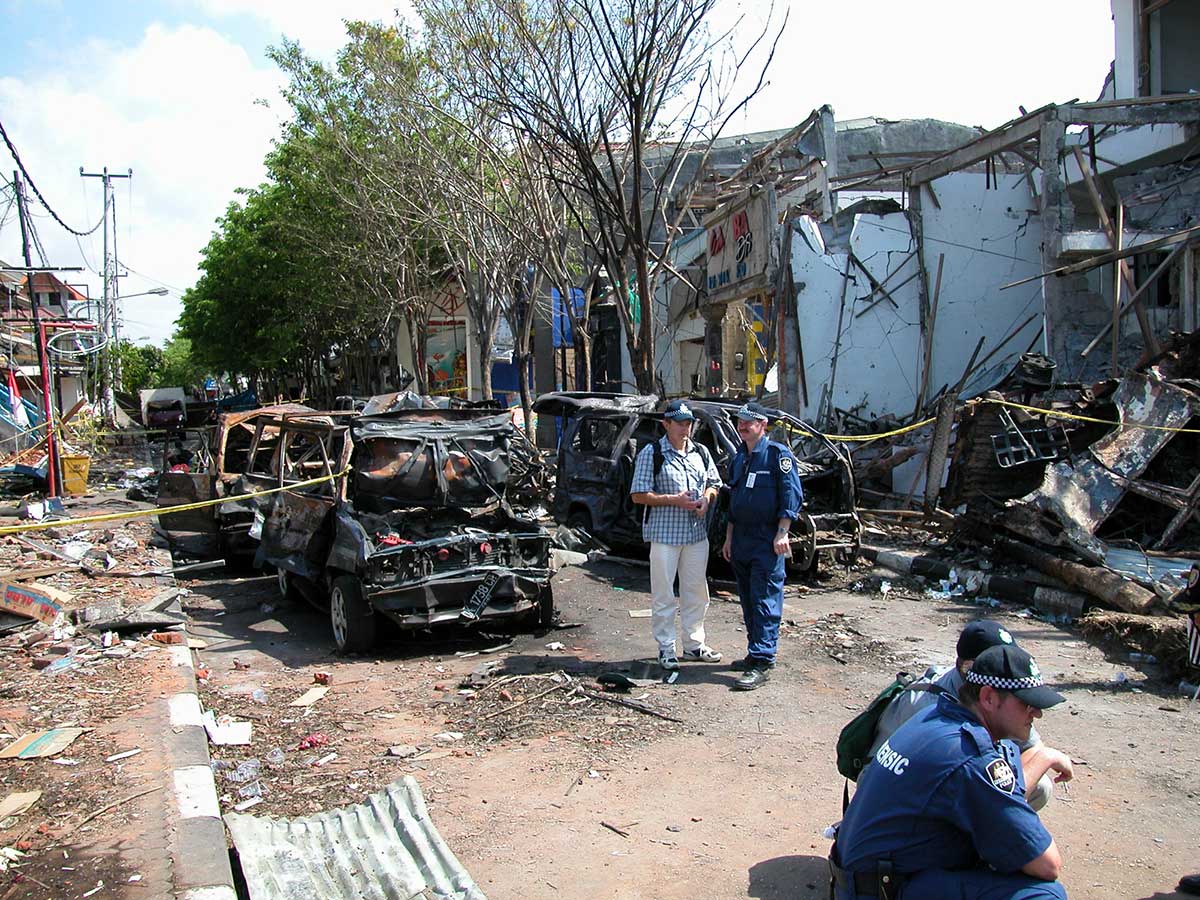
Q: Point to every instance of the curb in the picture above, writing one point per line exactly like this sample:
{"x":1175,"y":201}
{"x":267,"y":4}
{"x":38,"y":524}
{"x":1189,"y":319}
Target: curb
{"x":200,"y":868}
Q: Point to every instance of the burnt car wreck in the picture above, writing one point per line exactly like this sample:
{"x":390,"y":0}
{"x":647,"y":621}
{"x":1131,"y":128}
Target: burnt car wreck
{"x":603,"y":433}
{"x":420,"y":531}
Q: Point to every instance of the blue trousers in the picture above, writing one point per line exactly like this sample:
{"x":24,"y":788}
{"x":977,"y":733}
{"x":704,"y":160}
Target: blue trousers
{"x":760,"y":576}
{"x":979,"y":884}
{"x":975,"y":884}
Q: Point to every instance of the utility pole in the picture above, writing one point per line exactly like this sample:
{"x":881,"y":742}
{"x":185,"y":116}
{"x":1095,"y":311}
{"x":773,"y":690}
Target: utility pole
{"x":110,"y":317}
{"x":52,"y":469}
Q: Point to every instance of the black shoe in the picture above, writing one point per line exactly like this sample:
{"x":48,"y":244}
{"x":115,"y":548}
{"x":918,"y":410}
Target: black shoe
{"x":752,"y":680}
{"x":1190,"y":884}
{"x":749,"y":662}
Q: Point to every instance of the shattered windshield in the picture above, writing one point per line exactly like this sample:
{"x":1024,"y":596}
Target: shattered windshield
{"x":430,"y":458}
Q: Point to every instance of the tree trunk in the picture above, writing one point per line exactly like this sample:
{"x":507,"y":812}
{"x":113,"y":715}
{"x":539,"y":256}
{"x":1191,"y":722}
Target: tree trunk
{"x":522,"y":360}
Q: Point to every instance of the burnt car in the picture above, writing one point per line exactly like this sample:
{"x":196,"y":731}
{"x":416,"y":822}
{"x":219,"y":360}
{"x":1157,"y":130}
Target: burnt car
{"x":602,"y":434}
{"x":218,"y":468}
{"x":420,"y":530}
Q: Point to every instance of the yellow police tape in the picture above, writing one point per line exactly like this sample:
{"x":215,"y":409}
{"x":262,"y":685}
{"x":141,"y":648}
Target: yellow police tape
{"x":1052,"y":413}
{"x":158,"y":511}
{"x":1059,"y":414}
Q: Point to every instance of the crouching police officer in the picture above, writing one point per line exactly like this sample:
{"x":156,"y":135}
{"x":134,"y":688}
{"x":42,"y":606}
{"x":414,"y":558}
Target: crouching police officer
{"x":940,"y":812}
{"x":765,"y":498}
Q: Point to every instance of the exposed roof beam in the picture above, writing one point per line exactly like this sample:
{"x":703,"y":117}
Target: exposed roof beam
{"x":1005,"y":137}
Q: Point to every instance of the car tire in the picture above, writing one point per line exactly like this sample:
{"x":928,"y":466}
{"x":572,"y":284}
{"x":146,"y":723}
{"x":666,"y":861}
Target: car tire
{"x":285,"y":581}
{"x":354,"y":624}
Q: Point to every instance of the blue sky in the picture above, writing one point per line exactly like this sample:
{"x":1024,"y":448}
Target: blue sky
{"x":175,"y":91}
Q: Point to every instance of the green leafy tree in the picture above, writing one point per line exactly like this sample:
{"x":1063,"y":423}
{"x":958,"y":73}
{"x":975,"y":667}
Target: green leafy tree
{"x":140,"y":365}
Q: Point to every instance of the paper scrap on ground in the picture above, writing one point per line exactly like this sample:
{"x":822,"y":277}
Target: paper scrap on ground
{"x":639,"y":613}
{"x":15,"y":804}
{"x":119,"y":756}
{"x":311,"y":696}
{"x":41,"y":743}
{"x":226,"y":731}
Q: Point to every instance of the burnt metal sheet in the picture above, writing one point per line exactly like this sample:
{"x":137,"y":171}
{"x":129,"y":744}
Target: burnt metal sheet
{"x":569,"y":403}
{"x":1166,"y":574}
{"x":1076,"y":498}
{"x":385,"y":848}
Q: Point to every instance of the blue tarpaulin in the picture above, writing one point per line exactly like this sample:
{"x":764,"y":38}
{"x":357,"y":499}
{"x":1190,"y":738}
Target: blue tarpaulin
{"x":563,"y":334}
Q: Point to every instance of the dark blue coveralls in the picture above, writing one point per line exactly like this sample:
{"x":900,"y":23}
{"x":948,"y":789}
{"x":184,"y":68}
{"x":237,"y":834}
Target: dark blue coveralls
{"x":944,"y":805}
{"x":764,"y":488}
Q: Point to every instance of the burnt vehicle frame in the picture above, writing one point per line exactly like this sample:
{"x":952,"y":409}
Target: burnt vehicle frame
{"x":419,"y":531}
{"x":603,"y":433}
{"x":223,"y":453}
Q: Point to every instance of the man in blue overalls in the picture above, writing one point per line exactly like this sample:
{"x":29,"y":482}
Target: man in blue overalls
{"x":765,"y":499}
{"x":940,"y":812}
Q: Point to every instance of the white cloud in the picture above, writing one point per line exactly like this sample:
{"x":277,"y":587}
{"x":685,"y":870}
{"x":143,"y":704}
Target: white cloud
{"x":179,"y":109}
{"x":317,"y":26}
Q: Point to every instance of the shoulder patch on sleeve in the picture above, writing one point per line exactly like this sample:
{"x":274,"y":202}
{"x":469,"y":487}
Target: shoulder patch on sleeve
{"x":785,"y":463}
{"x":1001,"y":775}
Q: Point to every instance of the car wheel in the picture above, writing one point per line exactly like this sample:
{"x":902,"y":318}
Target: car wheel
{"x":580,"y":518}
{"x":286,"y":583}
{"x":545,"y":607}
{"x":353,"y":620}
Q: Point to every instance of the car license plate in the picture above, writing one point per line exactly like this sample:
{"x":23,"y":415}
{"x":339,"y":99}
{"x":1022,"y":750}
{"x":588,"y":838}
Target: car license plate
{"x":479,"y":599}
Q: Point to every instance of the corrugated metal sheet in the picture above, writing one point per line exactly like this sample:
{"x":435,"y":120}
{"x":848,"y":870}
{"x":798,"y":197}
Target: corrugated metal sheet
{"x":385,"y":848}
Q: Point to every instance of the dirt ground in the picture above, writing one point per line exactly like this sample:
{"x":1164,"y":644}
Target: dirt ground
{"x":731,"y":800}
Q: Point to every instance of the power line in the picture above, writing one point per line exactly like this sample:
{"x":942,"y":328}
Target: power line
{"x":29,"y":180}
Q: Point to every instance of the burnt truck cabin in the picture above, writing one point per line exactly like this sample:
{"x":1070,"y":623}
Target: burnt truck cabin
{"x":420,"y":531}
{"x":603,"y":433}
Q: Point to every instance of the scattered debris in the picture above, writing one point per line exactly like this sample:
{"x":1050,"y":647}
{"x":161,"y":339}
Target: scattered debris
{"x":311,"y":696}
{"x":40,"y":744}
{"x":15,"y":804}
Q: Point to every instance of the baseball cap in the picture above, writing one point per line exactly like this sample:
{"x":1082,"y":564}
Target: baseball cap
{"x":678,"y":411}
{"x":980,"y":635}
{"x":1009,"y":668}
{"x":752,"y":412}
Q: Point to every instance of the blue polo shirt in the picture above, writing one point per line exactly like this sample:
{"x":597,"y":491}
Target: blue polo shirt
{"x":941,"y":794}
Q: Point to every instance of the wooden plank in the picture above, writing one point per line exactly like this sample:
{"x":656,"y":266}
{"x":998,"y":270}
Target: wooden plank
{"x":1005,"y":137}
{"x":1121,"y":270}
{"x":933,"y":310}
{"x":1162,"y":267}
{"x":885,"y":296}
{"x":1125,"y":273}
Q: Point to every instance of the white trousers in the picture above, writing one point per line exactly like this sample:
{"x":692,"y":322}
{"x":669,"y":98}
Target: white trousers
{"x":690,"y":562}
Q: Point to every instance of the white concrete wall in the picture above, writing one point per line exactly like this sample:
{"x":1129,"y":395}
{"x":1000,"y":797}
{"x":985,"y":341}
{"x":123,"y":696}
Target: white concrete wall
{"x":988,"y":238}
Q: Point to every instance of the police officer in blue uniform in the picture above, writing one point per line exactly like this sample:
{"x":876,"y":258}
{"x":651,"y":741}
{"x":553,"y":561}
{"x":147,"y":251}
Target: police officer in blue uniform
{"x":940,"y":812}
{"x":765,"y":498}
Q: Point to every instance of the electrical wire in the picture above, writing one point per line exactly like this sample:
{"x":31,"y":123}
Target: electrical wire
{"x":20,"y":165}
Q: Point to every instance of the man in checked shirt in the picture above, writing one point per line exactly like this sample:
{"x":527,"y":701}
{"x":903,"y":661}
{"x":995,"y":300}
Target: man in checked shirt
{"x":677,"y":494}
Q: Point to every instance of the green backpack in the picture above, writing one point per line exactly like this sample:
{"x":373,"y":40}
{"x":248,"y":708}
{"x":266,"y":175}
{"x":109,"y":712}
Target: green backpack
{"x":854,"y":743}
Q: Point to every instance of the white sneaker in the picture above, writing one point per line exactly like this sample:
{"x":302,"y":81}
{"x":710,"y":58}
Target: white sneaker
{"x":666,"y":659}
{"x":702,"y":653}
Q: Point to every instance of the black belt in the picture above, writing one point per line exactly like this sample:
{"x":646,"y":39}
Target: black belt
{"x":883,"y":884}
